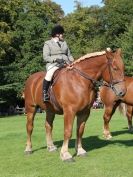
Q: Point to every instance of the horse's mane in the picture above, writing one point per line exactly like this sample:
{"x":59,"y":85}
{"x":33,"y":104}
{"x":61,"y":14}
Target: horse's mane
{"x":89,"y":55}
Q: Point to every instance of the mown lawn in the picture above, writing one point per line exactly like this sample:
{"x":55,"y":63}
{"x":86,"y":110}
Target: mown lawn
{"x":112,"y":158}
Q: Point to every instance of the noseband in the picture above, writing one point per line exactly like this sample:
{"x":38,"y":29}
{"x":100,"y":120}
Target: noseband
{"x":112,"y":82}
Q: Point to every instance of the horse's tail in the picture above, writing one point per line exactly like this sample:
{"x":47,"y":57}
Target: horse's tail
{"x":122,"y":108}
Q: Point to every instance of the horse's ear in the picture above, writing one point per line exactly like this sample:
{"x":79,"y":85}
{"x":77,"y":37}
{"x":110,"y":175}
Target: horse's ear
{"x":109,"y":53}
{"x":119,"y":51}
{"x":108,"y":49}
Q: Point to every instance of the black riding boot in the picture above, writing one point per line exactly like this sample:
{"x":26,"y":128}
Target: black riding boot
{"x":45,"y":90}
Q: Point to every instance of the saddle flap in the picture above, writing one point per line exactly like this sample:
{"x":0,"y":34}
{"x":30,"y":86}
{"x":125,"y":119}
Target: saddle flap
{"x":54,"y":101}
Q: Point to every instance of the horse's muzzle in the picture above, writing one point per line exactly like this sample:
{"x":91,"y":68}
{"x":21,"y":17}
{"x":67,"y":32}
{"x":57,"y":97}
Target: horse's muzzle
{"x":121,"y":93}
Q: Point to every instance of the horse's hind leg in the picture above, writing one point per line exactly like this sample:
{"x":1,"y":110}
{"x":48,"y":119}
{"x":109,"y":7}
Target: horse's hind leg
{"x":129,"y":115}
{"x":107,"y":118}
{"x":81,"y":121}
{"x":109,"y":111}
{"x":49,"y":126}
{"x":29,"y":127}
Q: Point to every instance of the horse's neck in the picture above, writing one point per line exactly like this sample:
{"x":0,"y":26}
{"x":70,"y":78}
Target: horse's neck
{"x":93,"y":66}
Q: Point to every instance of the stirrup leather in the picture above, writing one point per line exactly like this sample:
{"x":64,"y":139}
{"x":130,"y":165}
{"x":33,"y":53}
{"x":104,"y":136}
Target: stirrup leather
{"x":46,"y":96}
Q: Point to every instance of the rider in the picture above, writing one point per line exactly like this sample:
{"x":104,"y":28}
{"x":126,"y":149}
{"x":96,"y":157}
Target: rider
{"x":55,"y":53}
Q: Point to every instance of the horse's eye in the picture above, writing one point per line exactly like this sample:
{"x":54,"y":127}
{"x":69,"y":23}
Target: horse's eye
{"x":115,"y":68}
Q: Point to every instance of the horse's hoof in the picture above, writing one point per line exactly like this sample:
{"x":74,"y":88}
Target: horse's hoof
{"x":28,"y":152}
{"x":81,"y":152}
{"x":52,"y":148}
{"x":108,"y":137}
{"x":66,"y":157}
{"x":83,"y":155}
{"x":71,"y":160}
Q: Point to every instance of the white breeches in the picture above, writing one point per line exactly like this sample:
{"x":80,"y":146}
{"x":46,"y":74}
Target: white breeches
{"x":50,"y":72}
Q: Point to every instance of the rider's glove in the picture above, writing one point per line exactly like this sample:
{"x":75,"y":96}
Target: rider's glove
{"x":59,"y":61}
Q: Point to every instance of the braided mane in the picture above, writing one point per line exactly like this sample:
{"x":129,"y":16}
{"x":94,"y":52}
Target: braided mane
{"x":89,"y":55}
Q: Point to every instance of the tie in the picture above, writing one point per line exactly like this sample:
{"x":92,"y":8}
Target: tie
{"x":59,"y":44}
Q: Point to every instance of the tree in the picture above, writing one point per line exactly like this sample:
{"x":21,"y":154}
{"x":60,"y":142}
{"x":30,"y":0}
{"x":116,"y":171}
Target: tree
{"x":125,"y":41}
{"x":8,"y":13}
{"x":117,"y":15}
{"x":84,"y":30}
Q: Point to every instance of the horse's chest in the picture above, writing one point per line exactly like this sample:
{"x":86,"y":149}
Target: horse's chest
{"x":87,"y":100}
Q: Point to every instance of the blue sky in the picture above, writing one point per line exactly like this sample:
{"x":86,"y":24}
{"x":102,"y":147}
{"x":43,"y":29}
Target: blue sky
{"x":68,"y":5}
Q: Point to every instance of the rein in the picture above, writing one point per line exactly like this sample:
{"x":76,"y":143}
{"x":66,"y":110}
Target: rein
{"x":86,"y":76}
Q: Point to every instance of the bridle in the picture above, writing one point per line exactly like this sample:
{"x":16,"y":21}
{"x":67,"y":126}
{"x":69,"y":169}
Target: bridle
{"x":112,"y":82}
{"x":97,"y":83}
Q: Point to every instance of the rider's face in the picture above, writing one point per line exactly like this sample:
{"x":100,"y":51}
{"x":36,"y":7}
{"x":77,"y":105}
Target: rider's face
{"x":60,"y":36}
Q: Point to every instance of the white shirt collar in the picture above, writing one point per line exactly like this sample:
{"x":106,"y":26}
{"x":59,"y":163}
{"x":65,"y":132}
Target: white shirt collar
{"x":55,"y":39}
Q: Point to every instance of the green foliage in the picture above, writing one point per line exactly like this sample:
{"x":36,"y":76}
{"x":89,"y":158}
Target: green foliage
{"x":125,"y":41}
{"x":83,"y":28}
{"x":117,"y":15}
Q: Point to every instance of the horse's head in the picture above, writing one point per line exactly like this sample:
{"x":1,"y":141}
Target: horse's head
{"x":113,"y":74}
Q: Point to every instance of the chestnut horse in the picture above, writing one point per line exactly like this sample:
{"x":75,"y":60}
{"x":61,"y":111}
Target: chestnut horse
{"x":74,"y":92}
{"x":111,"y":102}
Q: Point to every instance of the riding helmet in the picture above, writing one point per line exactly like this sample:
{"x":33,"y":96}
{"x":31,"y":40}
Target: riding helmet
{"x":58,"y":29}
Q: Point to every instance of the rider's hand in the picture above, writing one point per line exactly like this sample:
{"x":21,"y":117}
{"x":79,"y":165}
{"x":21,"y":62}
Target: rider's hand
{"x":60,"y":61}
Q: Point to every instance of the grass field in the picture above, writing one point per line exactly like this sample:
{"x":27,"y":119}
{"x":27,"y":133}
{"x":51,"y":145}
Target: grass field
{"x":112,"y":158}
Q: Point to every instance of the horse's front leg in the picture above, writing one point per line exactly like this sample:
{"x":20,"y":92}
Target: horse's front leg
{"x":29,"y":127}
{"x":49,"y":127}
{"x":81,"y":121}
{"x":68,"y":126}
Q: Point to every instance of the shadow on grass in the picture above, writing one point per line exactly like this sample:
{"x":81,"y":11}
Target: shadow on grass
{"x":94,"y":142}
{"x":41,"y":148}
{"x":125,"y":131}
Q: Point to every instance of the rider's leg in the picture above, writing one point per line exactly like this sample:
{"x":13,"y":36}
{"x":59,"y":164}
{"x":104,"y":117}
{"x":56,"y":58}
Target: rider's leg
{"x":47,"y":81}
{"x":45,"y":90}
